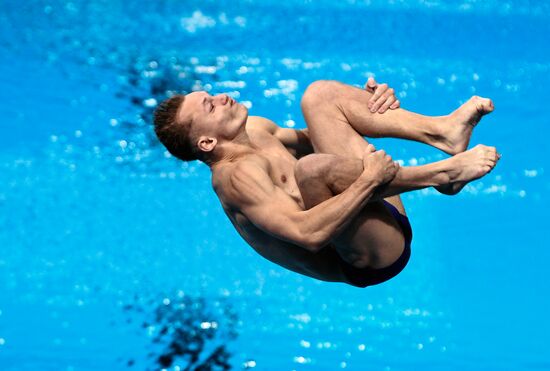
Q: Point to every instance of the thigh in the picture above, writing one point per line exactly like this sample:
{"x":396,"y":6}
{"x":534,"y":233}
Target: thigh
{"x":329,"y":129}
{"x":372,"y":237}
{"x":331,"y":133}
{"x":320,"y":176}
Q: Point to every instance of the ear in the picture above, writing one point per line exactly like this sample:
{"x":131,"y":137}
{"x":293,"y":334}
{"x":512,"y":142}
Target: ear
{"x":206,"y":144}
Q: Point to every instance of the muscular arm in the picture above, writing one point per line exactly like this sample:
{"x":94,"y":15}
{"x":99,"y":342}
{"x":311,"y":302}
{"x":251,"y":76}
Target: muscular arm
{"x":268,"y":207}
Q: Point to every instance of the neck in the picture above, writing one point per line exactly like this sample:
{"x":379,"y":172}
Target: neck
{"x":232,"y":150}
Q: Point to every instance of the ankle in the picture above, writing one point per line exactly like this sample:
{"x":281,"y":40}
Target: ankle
{"x":445,"y":173}
{"x":442,"y":178}
{"x":439,"y":134}
{"x":451,"y":170}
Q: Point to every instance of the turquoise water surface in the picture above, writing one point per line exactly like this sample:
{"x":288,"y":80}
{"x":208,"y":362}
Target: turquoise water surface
{"x":116,"y":256}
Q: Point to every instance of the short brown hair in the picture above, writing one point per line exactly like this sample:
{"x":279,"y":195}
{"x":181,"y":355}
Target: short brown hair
{"x":175,"y":136}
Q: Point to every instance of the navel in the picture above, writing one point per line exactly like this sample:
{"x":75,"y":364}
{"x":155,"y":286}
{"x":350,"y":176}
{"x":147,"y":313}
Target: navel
{"x":283,"y":178}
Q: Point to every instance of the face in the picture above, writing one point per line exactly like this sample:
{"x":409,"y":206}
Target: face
{"x":216,"y":116}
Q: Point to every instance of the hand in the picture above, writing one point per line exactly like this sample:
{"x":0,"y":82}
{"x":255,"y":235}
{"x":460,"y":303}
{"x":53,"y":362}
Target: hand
{"x":382,"y":98}
{"x":378,"y":166}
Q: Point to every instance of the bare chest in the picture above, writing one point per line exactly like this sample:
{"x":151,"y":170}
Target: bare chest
{"x":280,"y":164}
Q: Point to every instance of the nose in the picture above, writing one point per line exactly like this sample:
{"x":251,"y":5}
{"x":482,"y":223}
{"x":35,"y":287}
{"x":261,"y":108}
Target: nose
{"x":221,"y":99}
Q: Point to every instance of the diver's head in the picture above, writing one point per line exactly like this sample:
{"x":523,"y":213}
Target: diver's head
{"x":197,"y":125}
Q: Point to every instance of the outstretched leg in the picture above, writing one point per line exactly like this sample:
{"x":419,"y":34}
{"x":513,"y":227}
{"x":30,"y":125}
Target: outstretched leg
{"x":333,"y":109}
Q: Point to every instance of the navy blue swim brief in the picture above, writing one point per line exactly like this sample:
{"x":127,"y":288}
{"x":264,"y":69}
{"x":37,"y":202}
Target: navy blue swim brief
{"x":363,"y":277}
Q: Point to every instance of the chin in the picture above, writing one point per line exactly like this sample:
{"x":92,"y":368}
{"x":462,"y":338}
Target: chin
{"x":244,"y":110}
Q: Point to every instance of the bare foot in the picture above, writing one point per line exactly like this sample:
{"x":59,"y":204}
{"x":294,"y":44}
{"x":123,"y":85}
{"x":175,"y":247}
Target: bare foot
{"x":468,"y":166}
{"x":460,"y":124}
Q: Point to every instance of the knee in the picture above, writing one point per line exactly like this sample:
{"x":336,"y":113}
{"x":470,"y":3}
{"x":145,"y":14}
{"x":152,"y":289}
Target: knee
{"x":319,"y":91}
{"x":313,"y":167}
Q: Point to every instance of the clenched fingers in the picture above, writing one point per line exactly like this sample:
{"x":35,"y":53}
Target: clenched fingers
{"x":396,"y":104}
{"x":387,"y":104}
{"x":383,"y":98}
{"x":378,"y":93}
{"x":370,"y":86}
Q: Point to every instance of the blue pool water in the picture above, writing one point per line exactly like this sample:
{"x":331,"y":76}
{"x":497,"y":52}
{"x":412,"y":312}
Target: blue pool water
{"x":115,"y":256}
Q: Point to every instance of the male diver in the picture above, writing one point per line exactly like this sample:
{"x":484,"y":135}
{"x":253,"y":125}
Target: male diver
{"x":322,"y":201}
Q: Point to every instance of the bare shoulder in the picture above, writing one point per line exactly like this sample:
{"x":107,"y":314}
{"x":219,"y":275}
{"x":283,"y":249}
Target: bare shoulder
{"x":239,"y":183}
{"x":262,"y":123}
{"x":296,"y":141}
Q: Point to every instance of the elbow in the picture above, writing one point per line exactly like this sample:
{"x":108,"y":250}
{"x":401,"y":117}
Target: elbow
{"x":314,"y":242}
{"x":309,"y":234}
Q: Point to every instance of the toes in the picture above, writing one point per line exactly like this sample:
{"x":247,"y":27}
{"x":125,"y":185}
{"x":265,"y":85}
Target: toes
{"x":487,"y":105}
{"x":491,"y":151}
{"x":492,"y":155}
{"x":492,"y":162}
{"x":370,"y":148}
{"x":483,"y":147}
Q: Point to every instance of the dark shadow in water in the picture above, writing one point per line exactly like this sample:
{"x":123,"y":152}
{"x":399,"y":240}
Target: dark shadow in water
{"x":191,"y":333}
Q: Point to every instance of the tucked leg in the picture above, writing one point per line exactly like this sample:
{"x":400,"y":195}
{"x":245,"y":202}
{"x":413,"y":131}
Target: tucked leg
{"x":332,"y":110}
{"x":374,"y":238}
{"x":337,"y":117}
